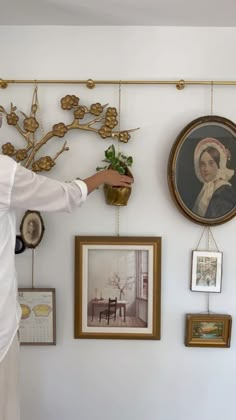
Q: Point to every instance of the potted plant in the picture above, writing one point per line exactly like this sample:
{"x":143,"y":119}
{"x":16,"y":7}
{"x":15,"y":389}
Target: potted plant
{"x":117,"y":196}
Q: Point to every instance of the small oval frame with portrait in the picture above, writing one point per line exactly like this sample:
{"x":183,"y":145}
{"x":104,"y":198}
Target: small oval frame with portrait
{"x":32,"y":228}
{"x":203,"y":196}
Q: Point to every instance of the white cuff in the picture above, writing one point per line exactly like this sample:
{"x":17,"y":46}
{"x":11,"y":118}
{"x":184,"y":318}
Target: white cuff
{"x":83,"y":188}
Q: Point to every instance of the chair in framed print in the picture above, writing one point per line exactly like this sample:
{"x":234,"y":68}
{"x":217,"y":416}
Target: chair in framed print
{"x":110,"y":311}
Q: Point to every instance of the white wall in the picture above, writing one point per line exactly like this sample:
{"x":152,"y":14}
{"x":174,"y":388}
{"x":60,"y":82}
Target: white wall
{"x":138,"y":380}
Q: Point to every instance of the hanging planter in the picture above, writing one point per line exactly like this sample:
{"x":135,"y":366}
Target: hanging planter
{"x":117,"y":196}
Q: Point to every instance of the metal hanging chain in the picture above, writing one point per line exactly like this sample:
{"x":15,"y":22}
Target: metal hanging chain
{"x":118,"y":148}
{"x":212,"y":96}
{"x":201,"y":238}
{"x":39,"y":111}
{"x":208,"y":294}
{"x":208,"y":303}
{"x":210,"y":238}
{"x":32,"y":274}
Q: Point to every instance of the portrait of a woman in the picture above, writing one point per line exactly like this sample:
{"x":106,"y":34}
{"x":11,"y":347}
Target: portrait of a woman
{"x":217,"y":197}
{"x":32,"y":228}
{"x":202,"y":170}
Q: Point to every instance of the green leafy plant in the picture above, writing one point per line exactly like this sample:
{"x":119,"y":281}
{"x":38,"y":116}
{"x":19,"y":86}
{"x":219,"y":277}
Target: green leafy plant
{"x":116,"y":160}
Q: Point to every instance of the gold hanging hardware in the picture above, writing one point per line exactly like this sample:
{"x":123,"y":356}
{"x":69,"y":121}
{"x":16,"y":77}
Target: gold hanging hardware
{"x":90,"y":83}
{"x":3,"y":84}
{"x":180,"y":85}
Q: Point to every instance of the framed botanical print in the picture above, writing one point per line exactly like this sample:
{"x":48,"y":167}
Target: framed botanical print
{"x":201,"y":170}
{"x":117,"y":287}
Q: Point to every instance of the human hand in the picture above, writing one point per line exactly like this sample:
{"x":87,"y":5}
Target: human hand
{"x":114,"y":178}
{"x":110,"y":177}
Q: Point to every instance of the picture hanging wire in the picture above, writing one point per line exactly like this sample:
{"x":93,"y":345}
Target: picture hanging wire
{"x":210,"y":238}
{"x":212,"y":98}
{"x":32,"y":272}
{"x":35,"y":101}
{"x":118,"y":147}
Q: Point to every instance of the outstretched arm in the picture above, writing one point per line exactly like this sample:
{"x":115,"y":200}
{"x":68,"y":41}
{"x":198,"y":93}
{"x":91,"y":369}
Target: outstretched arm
{"x":37,"y":192}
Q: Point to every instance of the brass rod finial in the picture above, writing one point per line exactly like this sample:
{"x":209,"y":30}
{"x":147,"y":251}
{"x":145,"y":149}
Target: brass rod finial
{"x":180,"y":84}
{"x":90,"y":84}
{"x":3,"y":84}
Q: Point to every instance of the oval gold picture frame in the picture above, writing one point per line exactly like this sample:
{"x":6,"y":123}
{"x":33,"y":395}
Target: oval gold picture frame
{"x":202,"y":181}
{"x":32,"y":228}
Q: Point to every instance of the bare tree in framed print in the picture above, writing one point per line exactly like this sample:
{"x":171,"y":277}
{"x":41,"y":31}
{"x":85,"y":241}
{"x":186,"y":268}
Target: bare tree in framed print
{"x":202,"y":170}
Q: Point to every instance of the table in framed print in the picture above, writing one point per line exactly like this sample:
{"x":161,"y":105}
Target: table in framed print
{"x":124,"y":269}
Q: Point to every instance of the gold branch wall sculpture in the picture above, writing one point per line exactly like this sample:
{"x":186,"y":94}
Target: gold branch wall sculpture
{"x":96,"y":118}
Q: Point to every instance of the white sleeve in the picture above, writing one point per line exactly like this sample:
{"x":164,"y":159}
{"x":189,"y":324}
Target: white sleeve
{"x":36,"y":192}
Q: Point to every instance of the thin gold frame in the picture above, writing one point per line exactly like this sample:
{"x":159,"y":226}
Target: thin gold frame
{"x":208,"y":330}
{"x":82,"y":245}
{"x":183,"y":148}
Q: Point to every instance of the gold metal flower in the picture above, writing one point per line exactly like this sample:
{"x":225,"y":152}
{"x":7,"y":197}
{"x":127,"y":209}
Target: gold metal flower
{"x":59,"y":130}
{"x":31,"y":124}
{"x":21,"y":155}
{"x":12,"y":118}
{"x":124,"y":136}
{"x":8,"y":149}
{"x":45,"y":163}
{"x":104,"y":131}
{"x":96,"y":109}
{"x":80,"y":112}
{"x":111,"y":121}
{"x":69,"y":101}
{"x":111,"y":112}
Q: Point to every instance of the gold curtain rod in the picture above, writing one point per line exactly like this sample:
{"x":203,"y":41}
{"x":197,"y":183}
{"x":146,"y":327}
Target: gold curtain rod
{"x":90,"y":83}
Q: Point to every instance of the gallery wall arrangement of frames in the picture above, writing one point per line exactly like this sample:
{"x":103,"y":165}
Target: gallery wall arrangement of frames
{"x":117,"y":287}
{"x":201,"y":170}
{"x":208,"y":330}
{"x":38,"y":320}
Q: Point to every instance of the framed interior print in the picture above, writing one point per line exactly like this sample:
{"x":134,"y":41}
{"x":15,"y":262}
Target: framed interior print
{"x":201,"y":170}
{"x":38,"y":320}
{"x":117,"y":287}
{"x":32,"y":228}
{"x":208,"y":330}
{"x":206,"y":271}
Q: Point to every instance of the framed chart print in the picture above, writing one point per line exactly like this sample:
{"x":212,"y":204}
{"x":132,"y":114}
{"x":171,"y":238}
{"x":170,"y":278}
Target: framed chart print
{"x":117,"y":287}
{"x":202,"y":170}
{"x":38,"y":320}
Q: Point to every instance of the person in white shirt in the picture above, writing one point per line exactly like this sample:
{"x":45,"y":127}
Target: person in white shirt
{"x":22,"y":188}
